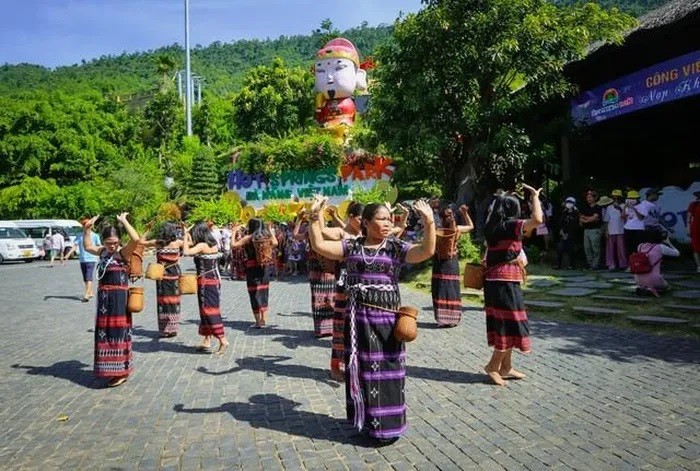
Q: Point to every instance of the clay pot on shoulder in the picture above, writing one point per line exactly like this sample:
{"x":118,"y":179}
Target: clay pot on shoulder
{"x":406,"y":328}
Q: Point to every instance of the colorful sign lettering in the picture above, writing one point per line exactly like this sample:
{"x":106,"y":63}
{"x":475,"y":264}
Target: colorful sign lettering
{"x":337,"y":184}
{"x":661,"y":83}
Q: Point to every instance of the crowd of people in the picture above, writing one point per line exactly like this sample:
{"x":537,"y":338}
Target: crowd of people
{"x":353,"y":268}
{"x":603,"y":233}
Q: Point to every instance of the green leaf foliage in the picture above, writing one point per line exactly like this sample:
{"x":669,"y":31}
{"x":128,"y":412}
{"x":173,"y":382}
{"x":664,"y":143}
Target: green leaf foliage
{"x":310,"y":149}
{"x":444,"y":99}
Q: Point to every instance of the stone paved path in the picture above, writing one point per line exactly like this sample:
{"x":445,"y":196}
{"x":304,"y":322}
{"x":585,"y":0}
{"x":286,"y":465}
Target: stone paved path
{"x":596,"y":398}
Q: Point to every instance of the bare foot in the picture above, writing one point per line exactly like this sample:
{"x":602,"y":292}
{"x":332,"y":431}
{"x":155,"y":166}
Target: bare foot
{"x":205,"y":346}
{"x":337,"y":375}
{"x":223,"y":344}
{"x":512,"y":374}
{"x":495,"y":377}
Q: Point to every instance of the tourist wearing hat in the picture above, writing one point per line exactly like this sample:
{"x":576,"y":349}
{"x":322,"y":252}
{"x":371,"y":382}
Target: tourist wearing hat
{"x":650,"y":210}
{"x":591,"y":219}
{"x":568,"y":230}
{"x":694,"y":228}
{"x":615,"y":253}
{"x":634,"y":223}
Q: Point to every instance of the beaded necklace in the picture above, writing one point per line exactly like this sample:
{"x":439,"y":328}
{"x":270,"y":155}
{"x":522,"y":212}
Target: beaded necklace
{"x":364,"y":258}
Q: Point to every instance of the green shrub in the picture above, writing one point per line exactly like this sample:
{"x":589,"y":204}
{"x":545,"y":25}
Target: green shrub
{"x":467,"y":250}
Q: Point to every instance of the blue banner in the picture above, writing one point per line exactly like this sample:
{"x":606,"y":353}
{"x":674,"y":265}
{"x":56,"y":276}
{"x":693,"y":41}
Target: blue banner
{"x":661,"y":83}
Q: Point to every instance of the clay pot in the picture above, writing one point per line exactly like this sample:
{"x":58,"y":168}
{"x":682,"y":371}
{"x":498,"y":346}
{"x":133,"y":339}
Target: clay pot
{"x":445,"y":243}
{"x":133,"y":255}
{"x":134,"y":302}
{"x":155,"y":271}
{"x":473,"y":276}
{"x":406,"y":327}
{"x":188,"y":283}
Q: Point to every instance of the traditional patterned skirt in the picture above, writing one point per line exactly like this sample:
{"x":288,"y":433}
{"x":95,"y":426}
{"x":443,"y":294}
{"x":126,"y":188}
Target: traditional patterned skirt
{"x":208,"y":294}
{"x":258,"y":283}
{"x":339,"y":304}
{"x":168,"y":291}
{"x":113,"y":355}
{"x":445,"y":287}
{"x":380,"y":407}
{"x":237,"y":270}
{"x":322,"y":286}
{"x":506,"y":318}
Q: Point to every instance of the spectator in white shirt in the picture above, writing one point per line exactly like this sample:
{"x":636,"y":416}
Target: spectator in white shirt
{"x":650,"y":211}
{"x":615,"y":253}
{"x":57,"y":246}
{"x":634,"y":223}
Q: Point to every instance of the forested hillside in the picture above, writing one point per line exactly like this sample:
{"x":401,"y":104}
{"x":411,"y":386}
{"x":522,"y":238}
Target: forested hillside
{"x":221,"y":64}
{"x":101,"y":136}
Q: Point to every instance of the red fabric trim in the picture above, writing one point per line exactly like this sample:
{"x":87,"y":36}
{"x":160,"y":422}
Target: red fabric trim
{"x":258,"y":288}
{"x":440,"y":276}
{"x":207,"y":281}
{"x":114,"y":288}
{"x":504,"y":314}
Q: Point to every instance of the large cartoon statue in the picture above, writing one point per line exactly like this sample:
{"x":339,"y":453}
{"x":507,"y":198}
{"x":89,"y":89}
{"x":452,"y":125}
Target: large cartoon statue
{"x":338,"y":76}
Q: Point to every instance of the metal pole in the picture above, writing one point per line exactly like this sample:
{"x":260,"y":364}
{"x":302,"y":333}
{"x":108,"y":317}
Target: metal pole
{"x":188,"y":77}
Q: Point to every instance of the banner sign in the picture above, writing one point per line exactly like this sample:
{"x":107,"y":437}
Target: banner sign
{"x":661,"y":83}
{"x":673,"y":203}
{"x":335,"y":183}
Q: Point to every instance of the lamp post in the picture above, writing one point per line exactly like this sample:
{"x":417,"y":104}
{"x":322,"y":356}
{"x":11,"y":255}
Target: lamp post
{"x":188,"y":77}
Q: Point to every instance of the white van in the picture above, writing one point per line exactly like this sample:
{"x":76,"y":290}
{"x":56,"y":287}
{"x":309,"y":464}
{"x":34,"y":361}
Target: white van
{"x":15,"y":245}
{"x":38,"y":229}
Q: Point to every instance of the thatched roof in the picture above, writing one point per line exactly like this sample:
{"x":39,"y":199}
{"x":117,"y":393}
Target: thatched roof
{"x":671,"y":12}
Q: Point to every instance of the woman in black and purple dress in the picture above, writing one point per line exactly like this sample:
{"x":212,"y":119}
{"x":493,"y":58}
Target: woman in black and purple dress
{"x":506,"y":319}
{"x":205,"y":249}
{"x":113,"y":353}
{"x":375,"y":361}
{"x":257,"y":275}
{"x":168,"y":247}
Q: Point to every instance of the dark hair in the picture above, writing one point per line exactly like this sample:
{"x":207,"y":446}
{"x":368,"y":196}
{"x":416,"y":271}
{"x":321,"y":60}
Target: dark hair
{"x":504,"y":209}
{"x":655,"y":236}
{"x":169,"y":232}
{"x":368,"y":213}
{"x":447,"y":217}
{"x":355,"y":209}
{"x":256,"y":225}
{"x":110,"y":231}
{"x":202,"y":233}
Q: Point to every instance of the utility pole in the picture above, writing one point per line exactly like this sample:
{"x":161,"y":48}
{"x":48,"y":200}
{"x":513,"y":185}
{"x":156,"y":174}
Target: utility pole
{"x":188,"y":77}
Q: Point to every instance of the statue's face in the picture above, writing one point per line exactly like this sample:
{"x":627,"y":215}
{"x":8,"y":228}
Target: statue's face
{"x":336,"y":78}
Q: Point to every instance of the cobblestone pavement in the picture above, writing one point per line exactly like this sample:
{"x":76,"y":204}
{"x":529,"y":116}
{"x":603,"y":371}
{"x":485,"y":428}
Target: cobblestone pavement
{"x":595,"y":398}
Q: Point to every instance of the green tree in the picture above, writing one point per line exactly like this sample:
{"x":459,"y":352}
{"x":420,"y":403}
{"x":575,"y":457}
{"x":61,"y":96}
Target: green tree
{"x":166,"y":66}
{"x":326,"y":32}
{"x":274,"y":100}
{"x":458,"y":74}
{"x":163,"y":120}
{"x":25,"y":199}
{"x":212,"y":121}
{"x":206,"y":181}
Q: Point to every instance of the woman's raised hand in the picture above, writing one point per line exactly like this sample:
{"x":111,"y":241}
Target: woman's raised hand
{"x":91,"y":222}
{"x":318,"y":203}
{"x":122,"y":217}
{"x":424,"y":209}
{"x":535,"y":193}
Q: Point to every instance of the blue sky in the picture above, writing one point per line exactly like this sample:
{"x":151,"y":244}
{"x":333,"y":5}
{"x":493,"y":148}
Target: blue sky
{"x":62,"y":32}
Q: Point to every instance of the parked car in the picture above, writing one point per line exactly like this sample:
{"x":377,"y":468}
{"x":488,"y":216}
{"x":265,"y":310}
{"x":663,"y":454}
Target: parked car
{"x":15,"y":244}
{"x":38,"y":229}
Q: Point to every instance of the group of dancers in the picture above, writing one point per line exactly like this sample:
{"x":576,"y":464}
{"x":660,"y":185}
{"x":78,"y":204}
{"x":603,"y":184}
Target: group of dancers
{"x":354,"y":278}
